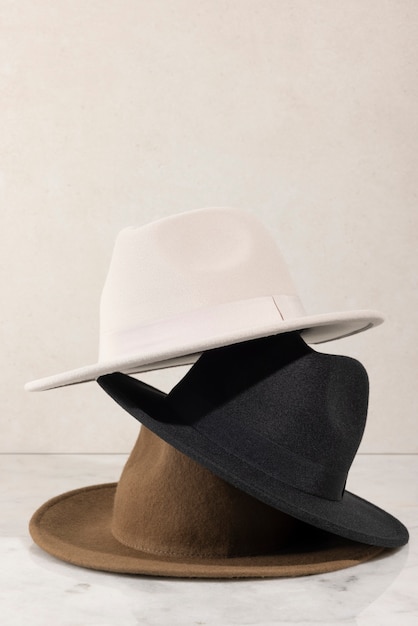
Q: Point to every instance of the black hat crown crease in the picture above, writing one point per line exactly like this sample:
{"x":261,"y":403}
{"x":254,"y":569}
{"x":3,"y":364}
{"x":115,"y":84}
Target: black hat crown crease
{"x":277,"y":420}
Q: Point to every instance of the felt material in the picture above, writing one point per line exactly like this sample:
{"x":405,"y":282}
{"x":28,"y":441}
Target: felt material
{"x":169,"y":516}
{"x":193,"y":282}
{"x":277,"y":420}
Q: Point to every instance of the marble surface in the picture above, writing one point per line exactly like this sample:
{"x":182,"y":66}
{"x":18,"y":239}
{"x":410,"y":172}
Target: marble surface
{"x":36,"y":589}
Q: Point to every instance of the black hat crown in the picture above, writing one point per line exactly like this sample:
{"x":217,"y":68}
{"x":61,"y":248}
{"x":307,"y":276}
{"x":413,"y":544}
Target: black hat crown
{"x":297,"y":413}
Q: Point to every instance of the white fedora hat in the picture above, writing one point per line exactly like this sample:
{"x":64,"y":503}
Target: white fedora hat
{"x":196,"y":281}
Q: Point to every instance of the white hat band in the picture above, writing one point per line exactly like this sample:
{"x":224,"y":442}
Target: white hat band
{"x":242,"y":316}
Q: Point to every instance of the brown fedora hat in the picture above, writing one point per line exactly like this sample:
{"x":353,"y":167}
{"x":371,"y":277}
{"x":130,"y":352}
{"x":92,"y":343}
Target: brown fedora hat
{"x":170,"y":516}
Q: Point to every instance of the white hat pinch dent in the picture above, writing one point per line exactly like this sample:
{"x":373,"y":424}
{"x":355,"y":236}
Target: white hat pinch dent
{"x":196,"y":281}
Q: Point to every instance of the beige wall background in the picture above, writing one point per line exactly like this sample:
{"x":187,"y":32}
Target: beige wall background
{"x":121,"y":112}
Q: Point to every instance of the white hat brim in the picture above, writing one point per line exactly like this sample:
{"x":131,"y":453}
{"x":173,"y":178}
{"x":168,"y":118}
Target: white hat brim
{"x":182,"y":351}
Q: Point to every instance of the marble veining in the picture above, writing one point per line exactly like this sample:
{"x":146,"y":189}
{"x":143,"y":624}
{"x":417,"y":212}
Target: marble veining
{"x":36,"y":589}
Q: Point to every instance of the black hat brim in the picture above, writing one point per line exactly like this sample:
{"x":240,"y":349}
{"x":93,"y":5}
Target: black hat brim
{"x":351,"y":517}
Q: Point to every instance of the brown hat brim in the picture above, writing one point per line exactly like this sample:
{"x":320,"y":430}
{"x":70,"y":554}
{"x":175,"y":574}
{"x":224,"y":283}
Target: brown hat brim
{"x":76,"y":527}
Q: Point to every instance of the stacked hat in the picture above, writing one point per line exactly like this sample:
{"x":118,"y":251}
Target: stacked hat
{"x":240,"y":470}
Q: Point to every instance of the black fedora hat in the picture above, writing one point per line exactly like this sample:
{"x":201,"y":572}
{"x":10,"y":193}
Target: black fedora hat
{"x":277,"y":420}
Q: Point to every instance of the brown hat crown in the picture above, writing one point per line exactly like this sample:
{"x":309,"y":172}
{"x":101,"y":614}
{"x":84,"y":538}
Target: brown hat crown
{"x":169,"y":505}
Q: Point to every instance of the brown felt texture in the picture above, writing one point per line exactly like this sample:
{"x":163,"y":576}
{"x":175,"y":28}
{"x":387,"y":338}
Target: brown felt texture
{"x":168,"y":504}
{"x":169,"y":516}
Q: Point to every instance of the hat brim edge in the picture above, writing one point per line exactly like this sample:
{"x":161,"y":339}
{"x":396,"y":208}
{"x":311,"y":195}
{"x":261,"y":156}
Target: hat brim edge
{"x":58,"y":530}
{"x":314,"y":329}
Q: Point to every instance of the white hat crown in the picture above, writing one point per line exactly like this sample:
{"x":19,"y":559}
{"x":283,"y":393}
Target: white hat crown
{"x":187,"y":262}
